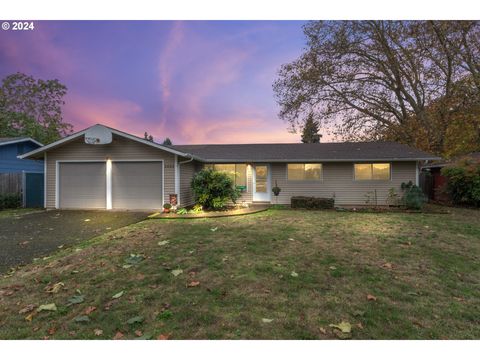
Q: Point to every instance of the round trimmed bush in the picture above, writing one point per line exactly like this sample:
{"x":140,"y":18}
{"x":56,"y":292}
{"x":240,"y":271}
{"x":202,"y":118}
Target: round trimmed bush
{"x":213,"y":189}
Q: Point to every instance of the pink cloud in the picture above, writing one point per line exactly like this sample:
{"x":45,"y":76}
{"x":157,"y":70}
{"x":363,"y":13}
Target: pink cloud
{"x":123,"y":115}
{"x":36,"y":52}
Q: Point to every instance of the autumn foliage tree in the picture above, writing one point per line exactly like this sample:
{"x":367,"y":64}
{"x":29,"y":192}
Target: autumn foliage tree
{"x":31,"y":107}
{"x":417,"y":82}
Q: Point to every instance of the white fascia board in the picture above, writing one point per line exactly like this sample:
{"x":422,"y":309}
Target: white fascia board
{"x":114,"y":131}
{"x":20,"y":141}
{"x":309,"y":160}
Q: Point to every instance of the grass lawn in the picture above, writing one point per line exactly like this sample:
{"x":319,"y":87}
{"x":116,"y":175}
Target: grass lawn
{"x":17,"y":212}
{"x":279,"y":274}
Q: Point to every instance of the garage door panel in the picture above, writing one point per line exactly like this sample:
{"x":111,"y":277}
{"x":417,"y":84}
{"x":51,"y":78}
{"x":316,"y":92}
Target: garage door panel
{"x":82,"y":185}
{"x":137,"y":185}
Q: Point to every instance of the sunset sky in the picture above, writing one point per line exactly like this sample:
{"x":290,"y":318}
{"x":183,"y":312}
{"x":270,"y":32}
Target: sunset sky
{"x":195,"y":82}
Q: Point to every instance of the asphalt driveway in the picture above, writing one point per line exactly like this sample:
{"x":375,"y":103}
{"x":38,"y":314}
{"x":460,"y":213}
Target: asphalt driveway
{"x":25,"y":237}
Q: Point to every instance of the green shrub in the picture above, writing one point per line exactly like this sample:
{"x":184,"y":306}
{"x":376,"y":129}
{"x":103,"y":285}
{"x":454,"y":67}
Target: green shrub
{"x":305,"y":202}
{"x":182,"y":211}
{"x":463,"y":181}
{"x":197,"y":209}
{"x":10,"y":201}
{"x":167,"y":206}
{"x":413,"y":197}
{"x":213,"y":189}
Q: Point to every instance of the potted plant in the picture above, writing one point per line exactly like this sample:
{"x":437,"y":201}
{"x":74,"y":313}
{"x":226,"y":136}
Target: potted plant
{"x":167,"y":207}
{"x":276,"y":191}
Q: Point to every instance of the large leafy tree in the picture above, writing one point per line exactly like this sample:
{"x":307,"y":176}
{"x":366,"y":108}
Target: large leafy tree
{"x":30,"y":107}
{"x":399,"y":80}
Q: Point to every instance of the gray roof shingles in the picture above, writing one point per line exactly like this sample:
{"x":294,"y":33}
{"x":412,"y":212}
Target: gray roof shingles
{"x":345,"y":151}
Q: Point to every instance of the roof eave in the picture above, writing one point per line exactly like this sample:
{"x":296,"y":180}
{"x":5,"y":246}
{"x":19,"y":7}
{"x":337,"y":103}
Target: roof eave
{"x":55,"y":144}
{"x":316,"y":160}
{"x":21,"y":140}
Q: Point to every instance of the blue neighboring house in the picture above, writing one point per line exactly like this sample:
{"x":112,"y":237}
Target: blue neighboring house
{"x":11,"y":147}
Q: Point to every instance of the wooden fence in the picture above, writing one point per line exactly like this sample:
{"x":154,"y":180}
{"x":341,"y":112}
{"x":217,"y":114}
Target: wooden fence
{"x":11,"y":183}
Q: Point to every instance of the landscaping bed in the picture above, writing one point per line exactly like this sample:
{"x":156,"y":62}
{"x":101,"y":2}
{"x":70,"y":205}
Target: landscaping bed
{"x":229,"y":211}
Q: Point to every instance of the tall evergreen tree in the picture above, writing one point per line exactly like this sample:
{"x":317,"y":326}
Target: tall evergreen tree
{"x":167,"y":141}
{"x":310,"y":130}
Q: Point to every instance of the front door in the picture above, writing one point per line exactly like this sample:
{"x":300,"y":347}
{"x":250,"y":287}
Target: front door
{"x":261,"y":182}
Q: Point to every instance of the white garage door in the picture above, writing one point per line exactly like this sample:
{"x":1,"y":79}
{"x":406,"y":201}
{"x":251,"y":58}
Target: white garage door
{"x":82,"y":185}
{"x":137,"y":185}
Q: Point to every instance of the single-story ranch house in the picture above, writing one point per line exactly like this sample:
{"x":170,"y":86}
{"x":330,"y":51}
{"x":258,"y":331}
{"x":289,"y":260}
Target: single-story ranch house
{"x":104,"y":168}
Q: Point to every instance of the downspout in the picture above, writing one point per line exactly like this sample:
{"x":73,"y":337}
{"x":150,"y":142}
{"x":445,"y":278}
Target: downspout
{"x":186,"y":161}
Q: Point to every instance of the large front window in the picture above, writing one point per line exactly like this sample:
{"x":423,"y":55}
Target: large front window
{"x":304,"y":172}
{"x":237,"y":172}
{"x":372,"y":171}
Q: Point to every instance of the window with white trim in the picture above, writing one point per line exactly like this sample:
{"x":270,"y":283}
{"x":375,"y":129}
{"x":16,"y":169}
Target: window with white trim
{"x":237,"y":172}
{"x":373,"y":171}
{"x":304,"y":172}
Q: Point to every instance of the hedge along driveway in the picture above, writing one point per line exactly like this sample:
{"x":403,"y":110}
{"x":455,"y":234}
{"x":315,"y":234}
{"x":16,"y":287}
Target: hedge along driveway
{"x":24,"y":237}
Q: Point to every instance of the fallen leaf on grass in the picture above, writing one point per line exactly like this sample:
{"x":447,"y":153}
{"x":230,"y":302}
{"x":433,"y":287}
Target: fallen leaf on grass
{"x":135,"y":320}
{"x":162,"y":243}
{"x":98,"y":332}
{"x":52,"y":331}
{"x":193,"y":284}
{"x":370,"y":297}
{"x":29,"y":317}
{"x":76,"y":299}
{"x":118,"y":295}
{"x":55,"y":288}
{"x":163,"y":337}
{"x":267,"y":321}
{"x":47,"y":307}
{"x":342,"y":330}
{"x":387,"y":266}
{"x":323,"y":331}
{"x":177,"y":272}
{"x":138,"y":332}
{"x":134,"y":259}
{"x":83,"y":318}
{"x":86,"y":220}
{"x":359,"y":325}
{"x":358,"y":313}
{"x":90,"y":309}
{"x":214,"y":229}
{"x":118,"y":336}
{"x":344,"y":327}
{"x":294,"y":274}
{"x":27,"y":309}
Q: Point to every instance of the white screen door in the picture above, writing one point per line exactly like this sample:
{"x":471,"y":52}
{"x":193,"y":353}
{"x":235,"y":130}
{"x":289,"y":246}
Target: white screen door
{"x":261,"y":183}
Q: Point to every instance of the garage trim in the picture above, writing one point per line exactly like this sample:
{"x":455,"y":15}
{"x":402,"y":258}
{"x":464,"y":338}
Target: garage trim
{"x":108,"y":177}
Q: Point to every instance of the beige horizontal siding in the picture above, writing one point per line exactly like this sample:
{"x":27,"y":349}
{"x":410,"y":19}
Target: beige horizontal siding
{"x":338,"y":182}
{"x":187,"y":171}
{"x":119,"y":149}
